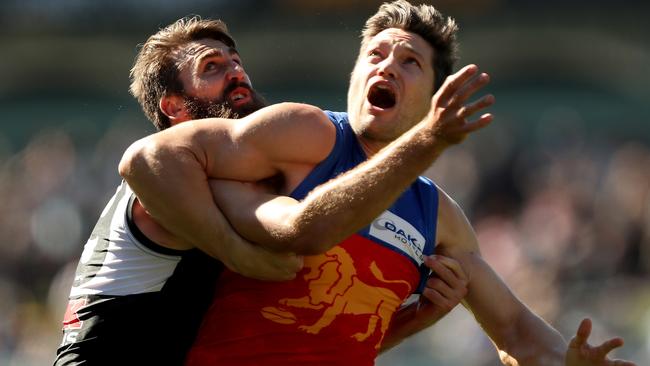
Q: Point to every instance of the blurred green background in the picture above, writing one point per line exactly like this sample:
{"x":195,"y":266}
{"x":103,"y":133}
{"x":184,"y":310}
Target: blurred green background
{"x":558,"y":187}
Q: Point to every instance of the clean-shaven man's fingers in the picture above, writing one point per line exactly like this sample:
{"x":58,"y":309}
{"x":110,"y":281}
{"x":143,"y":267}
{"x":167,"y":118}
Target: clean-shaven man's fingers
{"x":470,"y":109}
{"x":483,"y":121}
{"x":434,"y":297}
{"x":441,"y":271}
{"x":449,"y":270}
{"x":454,"y":82}
{"x":471,"y":87}
{"x":443,"y":288}
{"x":584,"y":329}
{"x":608,"y":346}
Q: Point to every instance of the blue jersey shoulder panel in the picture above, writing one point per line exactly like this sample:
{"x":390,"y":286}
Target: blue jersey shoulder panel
{"x":408,"y":227}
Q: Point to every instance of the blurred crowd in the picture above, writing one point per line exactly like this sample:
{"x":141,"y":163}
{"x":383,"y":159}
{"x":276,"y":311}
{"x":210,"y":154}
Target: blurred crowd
{"x":52,"y":192}
{"x":566,"y":223}
{"x":559,"y":196}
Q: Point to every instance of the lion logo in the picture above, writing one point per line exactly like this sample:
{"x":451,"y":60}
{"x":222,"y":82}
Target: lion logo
{"x":335,"y":288}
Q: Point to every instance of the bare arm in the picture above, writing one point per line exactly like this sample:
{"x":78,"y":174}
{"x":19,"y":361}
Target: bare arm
{"x":521,"y":337}
{"x":256,"y":262}
{"x":169,"y":173}
{"x":342,"y":206}
{"x":169,"y":170}
{"x":335,"y":209}
{"x":515,"y":331}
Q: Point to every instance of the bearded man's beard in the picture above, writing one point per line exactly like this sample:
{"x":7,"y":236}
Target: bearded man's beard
{"x":199,"y":109}
{"x":221,"y":108}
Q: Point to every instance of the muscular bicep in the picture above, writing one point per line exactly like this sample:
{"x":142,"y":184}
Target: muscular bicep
{"x":255,"y":213}
{"x":258,"y":146}
{"x":264,"y":143}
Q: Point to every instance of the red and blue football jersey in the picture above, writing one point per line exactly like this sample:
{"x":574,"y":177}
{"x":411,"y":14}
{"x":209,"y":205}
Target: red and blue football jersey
{"x":338,"y":308}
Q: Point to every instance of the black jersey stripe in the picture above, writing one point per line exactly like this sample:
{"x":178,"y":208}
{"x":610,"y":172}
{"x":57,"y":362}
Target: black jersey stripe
{"x":143,"y":239}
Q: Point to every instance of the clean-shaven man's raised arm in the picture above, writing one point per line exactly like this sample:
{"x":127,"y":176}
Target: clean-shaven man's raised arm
{"x":169,"y":171}
{"x":520,"y":336}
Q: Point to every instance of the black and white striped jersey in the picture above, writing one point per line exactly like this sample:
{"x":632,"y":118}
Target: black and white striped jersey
{"x":133,"y":301}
